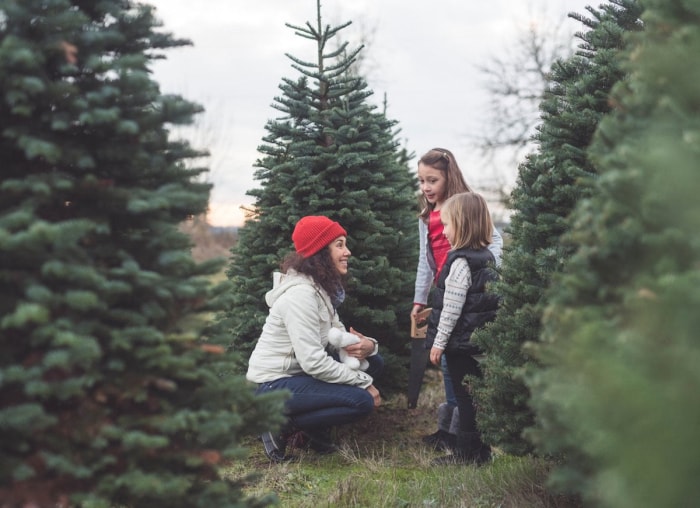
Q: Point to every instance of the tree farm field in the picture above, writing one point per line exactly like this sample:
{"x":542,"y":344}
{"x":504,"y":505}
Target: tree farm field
{"x":383,"y":463}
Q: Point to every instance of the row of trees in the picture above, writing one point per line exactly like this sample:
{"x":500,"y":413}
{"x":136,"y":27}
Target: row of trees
{"x":551,"y":182}
{"x":111,"y":388}
{"x":117,"y":387}
{"x":592,"y":357}
{"x":619,"y":331}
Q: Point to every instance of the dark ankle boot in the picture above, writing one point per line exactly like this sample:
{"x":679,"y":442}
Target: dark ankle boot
{"x":321,"y":441}
{"x":275,"y":443}
{"x":440,"y":440}
{"x":470,"y":449}
{"x":473,"y":448}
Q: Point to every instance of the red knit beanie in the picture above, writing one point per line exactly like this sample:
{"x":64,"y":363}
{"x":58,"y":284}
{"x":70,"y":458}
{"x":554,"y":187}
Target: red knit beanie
{"x":313,"y":232}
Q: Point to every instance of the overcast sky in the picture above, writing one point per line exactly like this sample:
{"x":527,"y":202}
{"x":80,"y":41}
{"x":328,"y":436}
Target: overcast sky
{"x":422,"y":54}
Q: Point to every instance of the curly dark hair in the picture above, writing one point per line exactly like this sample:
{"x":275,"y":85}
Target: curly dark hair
{"x":319,"y":267}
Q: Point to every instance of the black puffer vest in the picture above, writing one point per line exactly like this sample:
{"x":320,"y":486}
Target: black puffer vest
{"x":479,"y":308}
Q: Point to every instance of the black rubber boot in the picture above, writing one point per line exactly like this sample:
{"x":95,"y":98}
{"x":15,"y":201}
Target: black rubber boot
{"x":440,"y":440}
{"x":470,"y":449}
{"x":320,"y":440}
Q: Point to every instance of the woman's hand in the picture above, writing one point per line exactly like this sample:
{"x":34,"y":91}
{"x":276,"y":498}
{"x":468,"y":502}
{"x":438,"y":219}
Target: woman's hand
{"x":435,"y":356}
{"x":362,"y":349}
{"x":375,"y":395}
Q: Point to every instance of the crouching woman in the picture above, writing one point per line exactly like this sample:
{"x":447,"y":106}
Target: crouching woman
{"x":292,"y":351}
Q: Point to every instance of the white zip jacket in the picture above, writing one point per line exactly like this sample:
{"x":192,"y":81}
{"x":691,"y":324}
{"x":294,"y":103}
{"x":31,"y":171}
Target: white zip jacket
{"x":295,"y":335}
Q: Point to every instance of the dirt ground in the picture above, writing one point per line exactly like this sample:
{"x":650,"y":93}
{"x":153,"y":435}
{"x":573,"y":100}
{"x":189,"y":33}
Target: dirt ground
{"x":394,"y":422}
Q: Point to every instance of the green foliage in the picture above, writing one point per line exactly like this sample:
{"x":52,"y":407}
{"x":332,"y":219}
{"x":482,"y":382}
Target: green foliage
{"x":331,"y":154}
{"x":107,"y":398}
{"x":550,"y":183}
{"x":617,"y":395}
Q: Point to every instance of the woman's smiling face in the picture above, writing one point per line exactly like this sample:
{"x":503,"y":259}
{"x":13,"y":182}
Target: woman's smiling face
{"x":340,"y":254}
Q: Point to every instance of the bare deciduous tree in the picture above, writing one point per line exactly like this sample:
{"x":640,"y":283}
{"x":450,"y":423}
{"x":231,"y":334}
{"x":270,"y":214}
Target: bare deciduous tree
{"x":515,"y":82}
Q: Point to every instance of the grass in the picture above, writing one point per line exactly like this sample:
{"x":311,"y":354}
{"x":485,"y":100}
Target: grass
{"x":382,"y":463}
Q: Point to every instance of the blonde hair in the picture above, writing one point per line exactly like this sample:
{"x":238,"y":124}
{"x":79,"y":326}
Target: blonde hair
{"x":469,"y":216}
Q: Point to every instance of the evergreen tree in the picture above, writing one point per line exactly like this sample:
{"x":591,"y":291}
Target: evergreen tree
{"x":331,"y":154}
{"x":618,"y":395}
{"x":110,"y":392}
{"x":550,"y":183}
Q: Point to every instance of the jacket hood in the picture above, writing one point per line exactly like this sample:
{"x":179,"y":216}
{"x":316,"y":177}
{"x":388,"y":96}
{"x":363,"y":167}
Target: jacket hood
{"x":281,"y":282}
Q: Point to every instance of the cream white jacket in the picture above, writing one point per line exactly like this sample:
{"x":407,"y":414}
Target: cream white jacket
{"x":295,"y":336}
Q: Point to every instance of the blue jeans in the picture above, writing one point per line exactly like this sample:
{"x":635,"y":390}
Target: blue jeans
{"x":316,"y":404}
{"x":447,"y":380}
{"x":459,"y":365}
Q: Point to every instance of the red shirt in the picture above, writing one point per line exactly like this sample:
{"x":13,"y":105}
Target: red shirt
{"x":437,"y":241}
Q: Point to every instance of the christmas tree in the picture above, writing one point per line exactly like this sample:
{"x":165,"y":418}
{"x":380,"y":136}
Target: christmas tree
{"x":618,"y":396}
{"x":333,"y":154}
{"x":111,"y":389}
{"x":550,"y":183}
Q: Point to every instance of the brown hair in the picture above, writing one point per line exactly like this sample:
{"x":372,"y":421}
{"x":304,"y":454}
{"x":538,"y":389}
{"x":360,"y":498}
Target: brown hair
{"x":442,"y":160}
{"x":469,"y":216}
{"x":319,"y":267}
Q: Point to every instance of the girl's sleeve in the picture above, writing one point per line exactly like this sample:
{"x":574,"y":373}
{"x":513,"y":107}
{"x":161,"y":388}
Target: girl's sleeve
{"x":496,"y":245}
{"x":424,"y":275}
{"x":458,"y":282}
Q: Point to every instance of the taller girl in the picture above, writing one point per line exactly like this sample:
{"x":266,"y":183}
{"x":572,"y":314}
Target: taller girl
{"x":440,"y":178}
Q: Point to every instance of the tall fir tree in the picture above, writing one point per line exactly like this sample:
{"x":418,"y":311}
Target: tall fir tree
{"x":618,"y":396}
{"x":110,"y":389}
{"x":551,"y":181}
{"x":331,"y":154}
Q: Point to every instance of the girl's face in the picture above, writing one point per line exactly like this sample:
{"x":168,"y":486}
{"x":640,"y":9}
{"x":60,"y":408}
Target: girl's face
{"x":433,"y":185}
{"x":448,"y":229}
{"x":340,"y":254}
